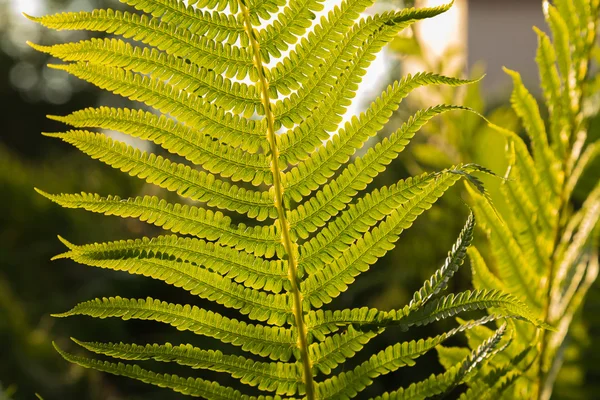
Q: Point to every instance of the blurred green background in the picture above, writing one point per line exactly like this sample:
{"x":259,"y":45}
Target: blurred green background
{"x":32,"y":287}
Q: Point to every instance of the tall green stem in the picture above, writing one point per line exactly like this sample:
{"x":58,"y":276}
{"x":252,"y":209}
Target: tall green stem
{"x":286,"y":239}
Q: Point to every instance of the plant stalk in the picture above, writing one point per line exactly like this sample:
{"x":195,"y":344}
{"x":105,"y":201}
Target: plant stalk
{"x":286,"y":239}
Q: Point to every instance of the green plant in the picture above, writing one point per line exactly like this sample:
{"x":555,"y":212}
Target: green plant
{"x":320,"y":236}
{"x":543,"y":245}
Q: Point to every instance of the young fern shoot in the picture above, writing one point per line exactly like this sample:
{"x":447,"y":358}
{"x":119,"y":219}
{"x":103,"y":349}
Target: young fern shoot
{"x":205,"y":67}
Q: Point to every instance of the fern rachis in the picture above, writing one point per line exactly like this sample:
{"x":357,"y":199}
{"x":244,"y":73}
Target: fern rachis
{"x":314,"y":238}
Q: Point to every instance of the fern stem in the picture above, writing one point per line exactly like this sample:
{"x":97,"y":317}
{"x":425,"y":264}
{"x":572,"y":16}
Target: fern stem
{"x":286,"y":238}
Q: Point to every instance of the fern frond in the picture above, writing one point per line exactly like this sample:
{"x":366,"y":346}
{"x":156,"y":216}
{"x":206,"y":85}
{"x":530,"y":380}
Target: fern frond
{"x":222,"y":58}
{"x":536,"y":192}
{"x":273,"y":342}
{"x":291,"y":23}
{"x":189,"y":108}
{"x":215,"y":157}
{"x":483,"y":278}
{"x":212,"y":25}
{"x":527,"y":108}
{"x":177,"y":218}
{"x":282,"y":378}
{"x":229,"y":95}
{"x":519,"y":276}
{"x":590,"y":215}
{"x":493,"y":386}
{"x":485,"y":351}
{"x":190,"y":386}
{"x":551,"y":88}
{"x":175,"y":177}
{"x":336,"y":349}
{"x":430,"y":387}
{"x":297,"y":67}
{"x":560,"y":34}
{"x":348,"y":384}
{"x":319,"y":105}
{"x":439,"y":280}
{"x":315,"y":171}
{"x":540,"y":243}
{"x":252,"y":271}
{"x":325,"y":96}
{"x":330,"y":242}
{"x":503,"y":304}
{"x":334,"y":196}
{"x":257,"y":305}
{"x":328,"y":282}
{"x":533,"y":242}
{"x":203,"y":65}
{"x":440,"y":385}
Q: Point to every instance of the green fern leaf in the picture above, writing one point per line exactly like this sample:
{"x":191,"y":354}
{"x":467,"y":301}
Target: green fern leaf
{"x":507,"y":306}
{"x":334,"y":196}
{"x":282,"y":378}
{"x":325,"y":96}
{"x":330,"y":242}
{"x":336,"y":349}
{"x":328,"y":282}
{"x":312,"y":173}
{"x":527,"y":108}
{"x":348,"y":384}
{"x":190,"y":386}
{"x":532,"y":240}
{"x":293,"y":70}
{"x":272,"y":308}
{"x":440,"y":278}
{"x":519,"y":277}
{"x":536,"y":192}
{"x":223,"y":58}
{"x":214,"y":25}
{"x":541,"y":241}
{"x":175,"y":177}
{"x":450,"y":305}
{"x":319,"y":110}
{"x":227,"y":94}
{"x":215,"y":157}
{"x":430,"y":387}
{"x":483,"y":278}
{"x":551,"y":87}
{"x":253,"y":272}
{"x":291,"y":23}
{"x":495,"y":384}
{"x":194,"y":111}
{"x":275,"y":343}
{"x":177,"y":218}
{"x":560,"y":33}
{"x":223,"y":92}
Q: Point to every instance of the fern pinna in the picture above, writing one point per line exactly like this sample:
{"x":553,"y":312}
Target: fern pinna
{"x":543,"y":246}
{"x":207,"y":69}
